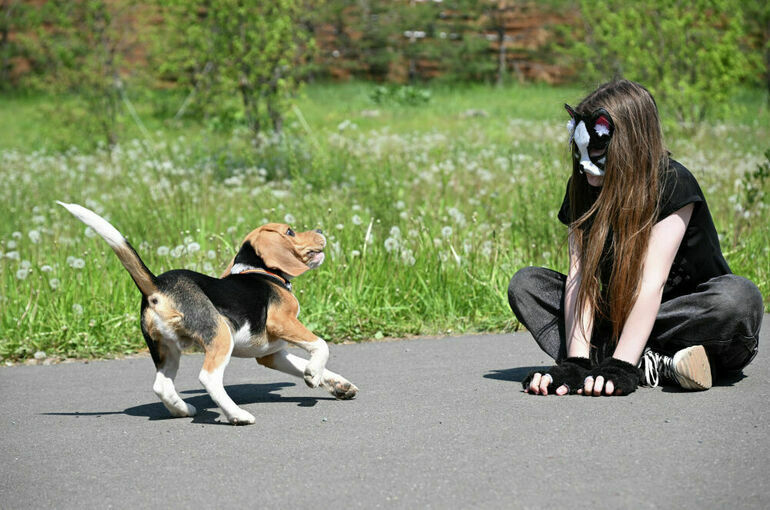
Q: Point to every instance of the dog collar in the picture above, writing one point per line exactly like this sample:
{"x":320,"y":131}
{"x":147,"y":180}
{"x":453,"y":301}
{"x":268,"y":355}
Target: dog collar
{"x":286,"y":284}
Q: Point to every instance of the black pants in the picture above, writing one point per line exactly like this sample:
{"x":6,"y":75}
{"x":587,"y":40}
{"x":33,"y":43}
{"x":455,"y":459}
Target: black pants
{"x":723,"y":314}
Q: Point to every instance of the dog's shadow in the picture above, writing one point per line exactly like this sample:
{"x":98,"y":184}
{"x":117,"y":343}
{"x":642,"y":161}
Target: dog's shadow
{"x":208,"y":412}
{"x":516,"y":374}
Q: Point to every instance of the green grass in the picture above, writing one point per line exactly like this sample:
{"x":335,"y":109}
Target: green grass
{"x":453,"y":205}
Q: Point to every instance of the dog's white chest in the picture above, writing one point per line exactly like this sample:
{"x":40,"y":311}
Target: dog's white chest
{"x":247,"y":346}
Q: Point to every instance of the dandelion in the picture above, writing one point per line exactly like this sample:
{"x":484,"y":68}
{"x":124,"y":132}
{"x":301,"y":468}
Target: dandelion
{"x":355,"y":253}
{"x":188,"y":240}
{"x":10,"y":245}
{"x":77,"y":309}
{"x":54,"y":283}
{"x":391,"y":244}
{"x":446,"y":231}
{"x":75,"y":262}
{"x":193,"y":247}
{"x":46,"y":268}
{"x":16,"y":235}
{"x":407,"y":257}
{"x":89,"y":232}
{"x":22,"y":274}
{"x":38,"y":219}
{"x":356,"y":219}
{"x":339,"y":226}
{"x":207,"y":267}
{"x":34,"y":236}
{"x":211,"y":254}
{"x":25,"y":264}
{"x":163,"y":251}
{"x":289,"y":219}
{"x":395,"y":232}
{"x":177,"y":252}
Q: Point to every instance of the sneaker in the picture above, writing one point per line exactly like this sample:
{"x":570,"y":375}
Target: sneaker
{"x":689,"y":368}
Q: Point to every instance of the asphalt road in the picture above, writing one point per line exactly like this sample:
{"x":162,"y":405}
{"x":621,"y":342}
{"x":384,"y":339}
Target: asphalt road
{"x":439,"y":423}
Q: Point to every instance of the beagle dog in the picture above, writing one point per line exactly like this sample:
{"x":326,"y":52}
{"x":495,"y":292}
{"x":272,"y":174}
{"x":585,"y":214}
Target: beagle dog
{"x":250,"y":312}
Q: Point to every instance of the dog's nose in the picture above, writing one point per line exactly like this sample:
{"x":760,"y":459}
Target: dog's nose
{"x":319,"y":231}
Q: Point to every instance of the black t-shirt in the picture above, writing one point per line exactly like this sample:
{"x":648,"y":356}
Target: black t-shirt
{"x":699,"y":257}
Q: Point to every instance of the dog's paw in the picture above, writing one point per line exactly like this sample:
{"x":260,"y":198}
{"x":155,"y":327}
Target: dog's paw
{"x":313,"y":377}
{"x":342,"y":390}
{"x":241,"y":417}
{"x":184,"y":411}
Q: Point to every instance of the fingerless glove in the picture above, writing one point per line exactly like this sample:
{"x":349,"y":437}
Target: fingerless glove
{"x":624,"y":376}
{"x":570,"y":372}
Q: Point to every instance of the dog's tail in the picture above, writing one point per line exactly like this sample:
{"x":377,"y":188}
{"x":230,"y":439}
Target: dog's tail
{"x":143,"y":277}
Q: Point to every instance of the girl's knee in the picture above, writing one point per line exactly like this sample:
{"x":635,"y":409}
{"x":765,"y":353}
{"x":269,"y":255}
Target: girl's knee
{"x":522,"y":283}
{"x":739,"y":299}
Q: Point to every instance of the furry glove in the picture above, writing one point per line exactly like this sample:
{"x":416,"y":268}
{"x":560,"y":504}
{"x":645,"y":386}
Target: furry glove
{"x":570,"y":372}
{"x":623,"y":375}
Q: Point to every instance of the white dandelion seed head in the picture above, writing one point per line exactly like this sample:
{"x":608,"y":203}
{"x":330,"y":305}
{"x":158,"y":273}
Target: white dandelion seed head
{"x":207,"y":267}
{"x":46,"y":268}
{"x":289,"y":219}
{"x":355,"y":253}
{"x":391,"y":244}
{"x":78,"y":263}
{"x":211,"y":254}
{"x":54,"y":283}
{"x":446,"y":231}
{"x":22,"y":274}
{"x":34,"y":236}
{"x":10,"y":245}
{"x":356,"y":219}
{"x":89,"y":232}
{"x":163,"y":251}
{"x":339,"y":226}
{"x":395,"y":232}
{"x":193,"y":247}
{"x":25,"y":264}
{"x":77,"y":309}
{"x":16,"y":235}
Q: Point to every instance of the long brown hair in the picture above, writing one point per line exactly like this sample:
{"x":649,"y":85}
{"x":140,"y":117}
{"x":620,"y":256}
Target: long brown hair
{"x":622,"y":216}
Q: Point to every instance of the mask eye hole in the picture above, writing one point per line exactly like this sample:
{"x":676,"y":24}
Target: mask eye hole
{"x":290,"y":233}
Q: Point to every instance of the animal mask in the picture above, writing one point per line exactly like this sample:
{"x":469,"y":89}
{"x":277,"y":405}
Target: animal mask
{"x":591,"y":133}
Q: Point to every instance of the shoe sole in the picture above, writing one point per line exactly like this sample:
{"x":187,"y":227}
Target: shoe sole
{"x":692,"y":368}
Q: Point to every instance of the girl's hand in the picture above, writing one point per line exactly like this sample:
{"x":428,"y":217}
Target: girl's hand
{"x":539,"y":385}
{"x":611,"y":377}
{"x":565,"y":377}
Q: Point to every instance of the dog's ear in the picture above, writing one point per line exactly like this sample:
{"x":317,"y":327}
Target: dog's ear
{"x":278,"y":253}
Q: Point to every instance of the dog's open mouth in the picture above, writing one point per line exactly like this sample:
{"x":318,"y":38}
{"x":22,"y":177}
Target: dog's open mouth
{"x":315,"y":258}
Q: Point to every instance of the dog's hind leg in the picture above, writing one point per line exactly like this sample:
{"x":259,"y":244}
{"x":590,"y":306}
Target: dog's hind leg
{"x":290,"y":364}
{"x":218,"y":350}
{"x":166,"y":357}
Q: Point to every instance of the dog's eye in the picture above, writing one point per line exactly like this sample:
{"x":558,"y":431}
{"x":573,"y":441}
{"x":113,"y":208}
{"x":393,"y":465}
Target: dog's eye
{"x":290,"y":233}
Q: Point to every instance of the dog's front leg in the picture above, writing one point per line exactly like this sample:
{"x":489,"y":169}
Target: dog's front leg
{"x":334,"y":383}
{"x":218,"y":351}
{"x":285,"y":326}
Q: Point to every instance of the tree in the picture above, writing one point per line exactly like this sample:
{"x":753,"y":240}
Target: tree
{"x":688,"y":54}
{"x":82,"y":47}
{"x":254,"y":50}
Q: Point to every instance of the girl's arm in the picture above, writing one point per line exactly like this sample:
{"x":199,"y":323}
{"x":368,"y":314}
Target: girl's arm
{"x":577,"y":337}
{"x":664,"y":242}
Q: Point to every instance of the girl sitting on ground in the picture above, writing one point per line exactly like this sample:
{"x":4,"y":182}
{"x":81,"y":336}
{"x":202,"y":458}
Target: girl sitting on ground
{"x":649,"y":297}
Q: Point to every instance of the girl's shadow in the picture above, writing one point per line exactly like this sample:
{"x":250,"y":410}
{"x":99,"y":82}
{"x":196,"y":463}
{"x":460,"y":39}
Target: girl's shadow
{"x":516,"y":374}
